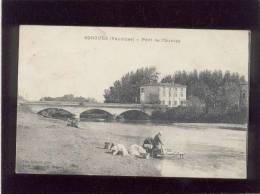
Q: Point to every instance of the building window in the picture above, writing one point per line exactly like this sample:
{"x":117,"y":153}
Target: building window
{"x":169,"y":91}
{"x":182,"y":94}
{"x":163,"y":102}
{"x":176,"y":94}
{"x":142,"y":90}
{"x":169,"y":103}
{"x":163,"y":91}
{"x":244,"y":95}
{"x":175,"y":102}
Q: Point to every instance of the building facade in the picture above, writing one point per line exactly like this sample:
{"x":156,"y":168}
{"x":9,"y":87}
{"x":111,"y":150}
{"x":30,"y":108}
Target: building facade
{"x":169,"y":94}
{"x":243,"y":100}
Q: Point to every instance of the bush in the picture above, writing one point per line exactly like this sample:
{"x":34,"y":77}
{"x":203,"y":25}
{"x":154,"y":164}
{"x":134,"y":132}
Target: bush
{"x":192,"y":114}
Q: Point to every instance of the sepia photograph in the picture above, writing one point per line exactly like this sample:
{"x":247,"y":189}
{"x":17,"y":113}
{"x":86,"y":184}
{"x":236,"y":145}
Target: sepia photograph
{"x":149,"y":102}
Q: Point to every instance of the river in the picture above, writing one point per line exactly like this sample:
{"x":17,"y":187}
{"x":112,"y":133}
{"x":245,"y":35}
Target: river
{"x":209,"y":150}
{"x":46,"y":145}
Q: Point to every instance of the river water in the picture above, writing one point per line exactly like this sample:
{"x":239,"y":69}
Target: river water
{"x":209,"y":150}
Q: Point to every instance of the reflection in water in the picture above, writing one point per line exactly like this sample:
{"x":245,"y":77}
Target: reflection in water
{"x":209,"y":151}
{"x":133,"y":115}
{"x":96,"y":115}
{"x":56,"y":113}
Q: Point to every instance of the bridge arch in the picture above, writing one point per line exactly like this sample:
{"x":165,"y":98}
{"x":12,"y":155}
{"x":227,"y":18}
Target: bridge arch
{"x":133,"y":115}
{"x":96,"y":114}
{"x":58,"y":113}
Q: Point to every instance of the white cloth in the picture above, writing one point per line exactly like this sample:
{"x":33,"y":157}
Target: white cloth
{"x":119,"y":149}
{"x":136,"y":150}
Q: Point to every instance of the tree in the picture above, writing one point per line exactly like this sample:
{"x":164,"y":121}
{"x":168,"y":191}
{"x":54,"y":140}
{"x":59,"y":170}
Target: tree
{"x":126,"y":90}
{"x":228,"y":96}
{"x":68,"y":98}
{"x":195,"y":103}
{"x":168,"y":79}
{"x":203,"y":92}
{"x":217,"y":91}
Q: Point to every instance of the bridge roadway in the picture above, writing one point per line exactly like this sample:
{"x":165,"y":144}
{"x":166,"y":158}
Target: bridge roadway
{"x":78,"y":108}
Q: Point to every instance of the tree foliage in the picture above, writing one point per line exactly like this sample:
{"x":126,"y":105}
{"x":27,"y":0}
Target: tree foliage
{"x":127,"y":89}
{"x":212,"y":96}
{"x":68,"y":98}
{"x":215,"y":89}
{"x":193,"y":114}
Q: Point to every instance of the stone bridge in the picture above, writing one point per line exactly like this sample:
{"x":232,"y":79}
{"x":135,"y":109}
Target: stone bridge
{"x":76,"y":108}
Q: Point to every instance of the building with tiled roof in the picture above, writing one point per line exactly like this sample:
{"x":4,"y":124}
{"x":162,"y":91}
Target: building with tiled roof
{"x":169,"y":94}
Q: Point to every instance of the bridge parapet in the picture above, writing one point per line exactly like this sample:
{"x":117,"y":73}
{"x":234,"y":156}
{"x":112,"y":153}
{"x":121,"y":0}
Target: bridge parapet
{"x":78,"y":108}
{"x":84,"y":104}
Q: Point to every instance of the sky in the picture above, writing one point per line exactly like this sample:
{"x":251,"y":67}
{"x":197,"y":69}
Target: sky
{"x":58,"y":60}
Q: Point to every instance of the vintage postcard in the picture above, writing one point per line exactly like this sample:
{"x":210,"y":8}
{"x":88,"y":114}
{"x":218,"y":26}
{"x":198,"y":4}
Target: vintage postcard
{"x":132,"y":102}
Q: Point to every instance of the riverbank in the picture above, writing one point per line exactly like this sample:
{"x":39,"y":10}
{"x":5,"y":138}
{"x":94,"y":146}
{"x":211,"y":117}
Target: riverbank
{"x":47,"y":146}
